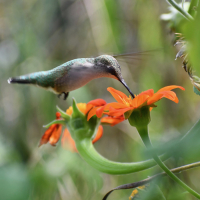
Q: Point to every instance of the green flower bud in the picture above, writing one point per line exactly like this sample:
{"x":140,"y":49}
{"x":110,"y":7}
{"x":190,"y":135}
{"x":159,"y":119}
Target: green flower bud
{"x":140,"y":117}
{"x":78,"y":125}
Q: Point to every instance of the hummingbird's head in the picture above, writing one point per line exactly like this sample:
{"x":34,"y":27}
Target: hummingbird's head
{"x":108,"y":65}
{"x":111,"y":68}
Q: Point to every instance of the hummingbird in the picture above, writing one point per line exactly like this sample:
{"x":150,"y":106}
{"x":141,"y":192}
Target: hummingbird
{"x":74,"y":74}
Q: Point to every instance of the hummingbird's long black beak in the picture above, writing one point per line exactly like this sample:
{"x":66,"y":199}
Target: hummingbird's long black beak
{"x":126,"y":86}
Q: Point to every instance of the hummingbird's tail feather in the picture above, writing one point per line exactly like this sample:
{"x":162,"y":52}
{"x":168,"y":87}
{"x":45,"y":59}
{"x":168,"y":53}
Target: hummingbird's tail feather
{"x":20,"y":81}
{"x":43,"y":79}
{"x":26,"y":79}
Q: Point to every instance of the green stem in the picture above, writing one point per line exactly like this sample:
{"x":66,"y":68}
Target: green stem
{"x":193,"y":6}
{"x":145,"y":137}
{"x":149,"y":179}
{"x":175,"y":178}
{"x":92,"y":157}
{"x":183,"y":12}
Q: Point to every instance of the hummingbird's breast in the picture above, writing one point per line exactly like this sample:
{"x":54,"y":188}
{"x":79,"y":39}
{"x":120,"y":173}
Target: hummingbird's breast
{"x":78,"y":75}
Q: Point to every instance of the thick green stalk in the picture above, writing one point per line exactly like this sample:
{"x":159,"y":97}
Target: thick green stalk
{"x":183,"y":12}
{"x":92,"y":157}
{"x":82,"y":131}
{"x":143,"y":131}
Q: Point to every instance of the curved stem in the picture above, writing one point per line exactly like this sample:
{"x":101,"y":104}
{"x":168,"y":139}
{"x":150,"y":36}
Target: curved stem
{"x":183,"y":12}
{"x":91,"y":156}
{"x":145,"y":137}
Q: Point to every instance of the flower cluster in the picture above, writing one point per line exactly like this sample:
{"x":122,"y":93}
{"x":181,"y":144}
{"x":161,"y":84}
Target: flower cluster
{"x":124,"y":107}
{"x":114,"y":113}
{"x":53,"y":133}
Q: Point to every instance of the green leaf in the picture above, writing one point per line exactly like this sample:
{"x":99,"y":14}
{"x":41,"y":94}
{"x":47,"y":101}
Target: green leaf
{"x":59,"y":121}
{"x":196,"y":91}
{"x":63,"y":114}
{"x":76,"y":111}
{"x":192,"y":34}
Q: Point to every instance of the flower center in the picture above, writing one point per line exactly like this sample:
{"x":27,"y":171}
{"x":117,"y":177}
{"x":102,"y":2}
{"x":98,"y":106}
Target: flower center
{"x":81,"y":107}
{"x":127,"y":101}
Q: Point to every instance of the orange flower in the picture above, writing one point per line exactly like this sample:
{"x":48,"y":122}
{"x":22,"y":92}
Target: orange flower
{"x":126,"y":104}
{"x":147,"y":98}
{"x":53,"y":133}
{"x":96,"y":107}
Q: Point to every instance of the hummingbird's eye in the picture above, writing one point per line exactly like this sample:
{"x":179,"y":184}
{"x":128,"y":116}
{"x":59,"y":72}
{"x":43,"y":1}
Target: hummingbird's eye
{"x":105,"y":62}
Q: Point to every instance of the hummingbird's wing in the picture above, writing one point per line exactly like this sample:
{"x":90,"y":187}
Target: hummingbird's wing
{"x":135,"y":54}
{"x":134,"y":58}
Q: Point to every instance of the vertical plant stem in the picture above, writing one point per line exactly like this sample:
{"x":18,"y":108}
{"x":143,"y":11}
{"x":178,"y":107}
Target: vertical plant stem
{"x":193,"y":6}
{"x":174,"y":177}
{"x":145,"y":137}
{"x":183,"y":12}
{"x":183,"y":1}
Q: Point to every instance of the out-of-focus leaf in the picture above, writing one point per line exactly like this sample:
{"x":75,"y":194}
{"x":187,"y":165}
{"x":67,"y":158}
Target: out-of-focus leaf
{"x":191,"y":31}
{"x":44,"y":184}
{"x":188,"y":146}
{"x":174,"y":18}
{"x":14,"y":183}
{"x":196,"y":91}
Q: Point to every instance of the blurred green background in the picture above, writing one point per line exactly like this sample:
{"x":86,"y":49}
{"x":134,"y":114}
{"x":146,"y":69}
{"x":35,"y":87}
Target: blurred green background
{"x":38,"y":35}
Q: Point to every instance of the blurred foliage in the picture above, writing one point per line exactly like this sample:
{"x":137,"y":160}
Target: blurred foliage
{"x":39,"y":35}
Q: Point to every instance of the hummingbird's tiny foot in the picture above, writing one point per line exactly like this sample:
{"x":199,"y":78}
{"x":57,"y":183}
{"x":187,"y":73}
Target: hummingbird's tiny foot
{"x":65,"y":95}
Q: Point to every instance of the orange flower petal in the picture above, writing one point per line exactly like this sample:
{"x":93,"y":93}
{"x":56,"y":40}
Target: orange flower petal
{"x":92,"y":107}
{"x":97,"y":102}
{"x":117,"y":112}
{"x":55,"y":136}
{"x":111,"y":120}
{"x":67,"y":141}
{"x":159,"y":95}
{"x":139,"y":100}
{"x":58,"y":115}
{"x":92,"y":112}
{"x":50,"y":131}
{"x":99,"y":111}
{"x":170,"y":95}
{"x":98,"y":135}
{"x":115,"y":105}
{"x":171,"y":87}
{"x":88,"y":108}
{"x":47,"y":134}
{"x":149,"y":92}
{"x":156,"y":97}
{"x":119,"y":96}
